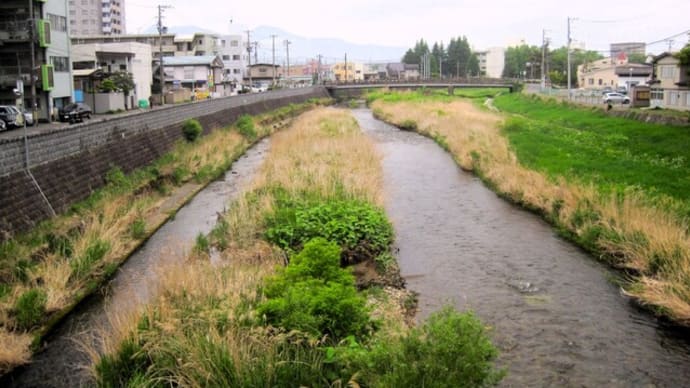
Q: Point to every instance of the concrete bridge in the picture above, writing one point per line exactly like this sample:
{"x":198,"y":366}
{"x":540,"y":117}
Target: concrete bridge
{"x":356,"y":89}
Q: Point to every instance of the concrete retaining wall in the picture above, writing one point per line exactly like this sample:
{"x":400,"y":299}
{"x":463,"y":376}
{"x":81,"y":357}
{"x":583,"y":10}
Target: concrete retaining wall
{"x":68,"y":164}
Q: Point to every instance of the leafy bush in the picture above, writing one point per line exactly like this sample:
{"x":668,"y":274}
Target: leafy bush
{"x":82,"y":265}
{"x":138,"y":228}
{"x":450,"y":350}
{"x":245,"y":126}
{"x":202,"y":244}
{"x":314,"y":295}
{"x":192,"y":129}
{"x":361,"y":230}
{"x":409,"y":125}
{"x":30,"y":308}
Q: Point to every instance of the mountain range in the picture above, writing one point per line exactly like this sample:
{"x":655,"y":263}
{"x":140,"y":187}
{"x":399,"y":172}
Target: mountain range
{"x":305,"y":48}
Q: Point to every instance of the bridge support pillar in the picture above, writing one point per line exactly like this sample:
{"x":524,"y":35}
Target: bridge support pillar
{"x":451,"y":90}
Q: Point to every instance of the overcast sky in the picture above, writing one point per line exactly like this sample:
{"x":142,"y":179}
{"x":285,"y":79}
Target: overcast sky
{"x":402,"y":22}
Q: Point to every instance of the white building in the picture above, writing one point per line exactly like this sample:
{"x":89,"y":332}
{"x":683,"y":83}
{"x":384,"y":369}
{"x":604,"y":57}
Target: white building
{"x":96,"y":17}
{"x":131,"y":57}
{"x":234,"y":55}
{"x":491,"y":62}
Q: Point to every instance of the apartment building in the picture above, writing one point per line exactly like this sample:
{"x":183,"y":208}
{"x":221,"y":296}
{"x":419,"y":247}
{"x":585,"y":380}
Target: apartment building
{"x":234,"y":54}
{"x":491,"y":62}
{"x":96,"y":17}
{"x":51,"y":68}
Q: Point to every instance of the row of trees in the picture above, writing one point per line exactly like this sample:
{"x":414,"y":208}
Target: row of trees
{"x":456,"y":60}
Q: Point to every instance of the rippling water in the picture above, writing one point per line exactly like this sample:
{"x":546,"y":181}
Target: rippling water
{"x":553,"y":314}
{"x":63,"y":363}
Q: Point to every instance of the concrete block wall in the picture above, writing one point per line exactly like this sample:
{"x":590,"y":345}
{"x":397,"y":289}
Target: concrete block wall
{"x":69,"y":164}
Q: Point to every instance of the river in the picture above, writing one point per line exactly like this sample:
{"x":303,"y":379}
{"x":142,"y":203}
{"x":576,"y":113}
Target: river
{"x":552,"y":310}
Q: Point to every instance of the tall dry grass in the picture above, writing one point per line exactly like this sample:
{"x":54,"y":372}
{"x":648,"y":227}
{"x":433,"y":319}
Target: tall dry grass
{"x":107,"y":219}
{"x":322,"y":152}
{"x":631,"y":234}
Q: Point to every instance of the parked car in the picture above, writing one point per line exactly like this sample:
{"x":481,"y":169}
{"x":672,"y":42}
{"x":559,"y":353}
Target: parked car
{"x":28,"y":117}
{"x":75,"y":112}
{"x":11,"y":116}
{"x":3,"y":126}
{"x":615,"y":98}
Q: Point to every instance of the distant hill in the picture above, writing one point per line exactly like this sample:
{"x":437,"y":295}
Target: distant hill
{"x":303,"y":48}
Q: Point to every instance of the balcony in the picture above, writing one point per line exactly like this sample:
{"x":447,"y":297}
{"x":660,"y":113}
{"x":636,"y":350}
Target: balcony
{"x":14,"y":32}
{"x":9,"y":75}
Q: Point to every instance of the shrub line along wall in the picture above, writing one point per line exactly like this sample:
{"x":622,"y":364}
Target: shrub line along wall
{"x":69,"y":163}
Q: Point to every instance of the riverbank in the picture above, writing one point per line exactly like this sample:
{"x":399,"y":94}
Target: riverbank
{"x":296,"y":286}
{"x":46,"y":273}
{"x":639,"y":227}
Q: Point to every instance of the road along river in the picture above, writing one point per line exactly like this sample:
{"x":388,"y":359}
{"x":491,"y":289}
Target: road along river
{"x":64,"y":363}
{"x":554,"y":315}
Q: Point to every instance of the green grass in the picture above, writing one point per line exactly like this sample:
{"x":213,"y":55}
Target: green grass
{"x":616,"y":154}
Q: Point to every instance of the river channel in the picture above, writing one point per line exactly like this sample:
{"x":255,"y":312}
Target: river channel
{"x":64,"y":363}
{"x":552,"y":311}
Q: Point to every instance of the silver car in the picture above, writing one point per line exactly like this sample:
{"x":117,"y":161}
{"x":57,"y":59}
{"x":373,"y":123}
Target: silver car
{"x":616,"y":98}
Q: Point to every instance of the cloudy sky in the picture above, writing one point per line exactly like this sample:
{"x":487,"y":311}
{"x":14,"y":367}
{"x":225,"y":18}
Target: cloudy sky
{"x":401,"y":22}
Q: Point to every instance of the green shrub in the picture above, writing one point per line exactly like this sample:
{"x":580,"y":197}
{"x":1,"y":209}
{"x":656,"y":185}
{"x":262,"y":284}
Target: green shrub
{"x":179,"y":174}
{"x":202,"y":244}
{"x":192,"y":129}
{"x":59,"y":245}
{"x":450,"y":350}
{"x":30,"y":308}
{"x":409,"y":125}
{"x":314,"y":295}
{"x":117,"y":179}
{"x":124,"y":367}
{"x":245,"y":126}
{"x":138,"y":228}
{"x":96,"y":250}
{"x":361,"y":230}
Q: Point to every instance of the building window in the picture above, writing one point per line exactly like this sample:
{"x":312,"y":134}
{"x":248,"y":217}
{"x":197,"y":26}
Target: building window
{"x":57,"y":22}
{"x":667,"y":71}
{"x":235,"y":57}
{"x":234,"y":43}
{"x":226,"y":57}
{"x":236,"y":71}
{"x":656,"y":94}
{"x":188,"y":72}
{"x":60,"y":64}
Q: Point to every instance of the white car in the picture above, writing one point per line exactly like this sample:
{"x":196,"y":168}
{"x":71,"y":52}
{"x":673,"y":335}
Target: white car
{"x":616,"y":98}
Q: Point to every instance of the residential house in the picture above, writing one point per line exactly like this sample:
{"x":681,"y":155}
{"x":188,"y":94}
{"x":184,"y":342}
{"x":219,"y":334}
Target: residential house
{"x":348,"y":72}
{"x":411,"y":72}
{"x":131,"y":57}
{"x":601,"y":73}
{"x":670,"y":84}
{"x":633,"y":74}
{"x":375,"y":71}
{"x":194,"y":72}
{"x":395,"y":71}
{"x":263,"y":73}
{"x":51,"y":69}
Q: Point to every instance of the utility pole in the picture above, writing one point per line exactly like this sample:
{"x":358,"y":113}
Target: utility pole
{"x":249,"y":57}
{"x":160,"y":49}
{"x":256,"y":51}
{"x":318,"y":75}
{"x":543,"y":59}
{"x":569,"y":42}
{"x":345,"y":67}
{"x":440,"y":67}
{"x":287,"y":49}
{"x":32,"y":37}
{"x":273,"y":49}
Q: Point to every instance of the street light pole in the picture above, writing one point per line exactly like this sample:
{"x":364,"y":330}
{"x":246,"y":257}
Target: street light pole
{"x":630,"y":80}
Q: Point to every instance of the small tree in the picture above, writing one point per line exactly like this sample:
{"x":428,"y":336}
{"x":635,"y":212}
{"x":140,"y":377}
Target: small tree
{"x":124,"y":82}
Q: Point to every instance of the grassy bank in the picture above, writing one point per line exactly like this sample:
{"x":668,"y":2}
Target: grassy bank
{"x":303,"y":290}
{"x":46,"y":272}
{"x":617,"y":187}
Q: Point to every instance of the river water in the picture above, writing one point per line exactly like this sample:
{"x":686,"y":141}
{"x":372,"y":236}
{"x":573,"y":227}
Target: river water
{"x":554,"y":315}
{"x":64,"y":363}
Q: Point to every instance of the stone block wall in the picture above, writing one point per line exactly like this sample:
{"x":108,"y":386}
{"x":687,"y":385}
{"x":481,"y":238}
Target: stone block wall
{"x":68,"y":164}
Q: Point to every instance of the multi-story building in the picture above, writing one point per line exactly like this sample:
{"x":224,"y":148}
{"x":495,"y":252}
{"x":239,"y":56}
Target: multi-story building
{"x":670,"y":82}
{"x":491,"y":62}
{"x":234,"y":54}
{"x":352,"y":71}
{"x":50,"y":65}
{"x":97,"y":17}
